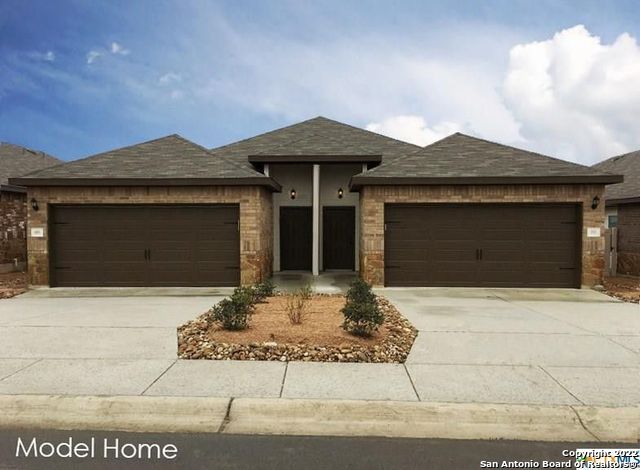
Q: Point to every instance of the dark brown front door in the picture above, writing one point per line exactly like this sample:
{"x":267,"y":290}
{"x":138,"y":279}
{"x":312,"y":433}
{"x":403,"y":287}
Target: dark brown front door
{"x":485,"y":245}
{"x":338,"y":237}
{"x":295,"y":238}
{"x":129,"y":245}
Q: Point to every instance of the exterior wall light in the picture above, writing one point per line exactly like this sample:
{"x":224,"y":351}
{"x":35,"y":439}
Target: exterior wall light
{"x":292,"y":193}
{"x":340,"y":193}
{"x":595,"y":203}
{"x":34,"y":204}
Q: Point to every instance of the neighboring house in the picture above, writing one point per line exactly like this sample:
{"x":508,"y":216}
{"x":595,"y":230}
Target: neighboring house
{"x":622,"y":205}
{"x":16,"y":161}
{"x":318,"y":195}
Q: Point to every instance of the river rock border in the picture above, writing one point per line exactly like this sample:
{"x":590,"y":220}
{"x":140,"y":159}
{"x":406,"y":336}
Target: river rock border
{"x":194,"y":344}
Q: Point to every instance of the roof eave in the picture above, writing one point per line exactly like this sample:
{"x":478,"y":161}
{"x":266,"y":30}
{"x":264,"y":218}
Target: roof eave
{"x":314,"y":158}
{"x":12,"y":188}
{"x":358,"y":181}
{"x":621,"y":201}
{"x":268,"y":182}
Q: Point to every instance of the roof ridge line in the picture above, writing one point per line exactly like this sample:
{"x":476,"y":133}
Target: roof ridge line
{"x":370,"y":132}
{"x":126,"y":147}
{"x":226,"y":159}
{"x":333,"y":121}
{"x":289,"y":142}
{"x":29,"y":149}
{"x":263,"y":134}
{"x":521,"y":150}
{"x":403,"y":157}
{"x":622,"y":155}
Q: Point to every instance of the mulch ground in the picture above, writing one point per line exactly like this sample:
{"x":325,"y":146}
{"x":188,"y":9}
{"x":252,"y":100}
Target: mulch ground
{"x":12,"y":284}
{"x":625,"y":288}
{"x":320,"y":337}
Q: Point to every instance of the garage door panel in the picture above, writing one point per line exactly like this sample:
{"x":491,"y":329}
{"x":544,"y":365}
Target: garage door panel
{"x":463,"y":257}
{"x":521,"y":245}
{"x":217,"y":245}
{"x":452,"y":234}
{"x":145,"y":245}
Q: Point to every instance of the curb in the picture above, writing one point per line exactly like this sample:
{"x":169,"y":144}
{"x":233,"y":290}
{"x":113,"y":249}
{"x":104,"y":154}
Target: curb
{"x":278,"y":416}
{"x":434,"y":420}
{"x":102,"y":413}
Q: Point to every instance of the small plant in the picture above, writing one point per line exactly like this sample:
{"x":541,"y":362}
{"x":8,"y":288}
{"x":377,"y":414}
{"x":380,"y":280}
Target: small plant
{"x":362,"y":315}
{"x":263,"y":290}
{"x":296,"y":306}
{"x":306,"y":291}
{"x":234,"y":313}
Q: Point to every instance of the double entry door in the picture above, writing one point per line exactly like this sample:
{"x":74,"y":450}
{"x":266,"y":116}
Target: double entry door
{"x":296,"y":238}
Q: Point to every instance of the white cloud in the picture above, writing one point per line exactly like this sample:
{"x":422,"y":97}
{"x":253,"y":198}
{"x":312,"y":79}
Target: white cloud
{"x":92,"y":56}
{"x":117,"y":48}
{"x":414,"y":129}
{"x":575,"y":96}
{"x":366,"y":80}
{"x":48,"y":56}
{"x":170,"y":77}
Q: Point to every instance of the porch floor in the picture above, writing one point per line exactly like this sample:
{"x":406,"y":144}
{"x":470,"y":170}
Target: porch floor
{"x":328,"y":282}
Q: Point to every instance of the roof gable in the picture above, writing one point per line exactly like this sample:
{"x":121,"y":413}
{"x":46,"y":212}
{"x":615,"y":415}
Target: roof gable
{"x":17,"y":161}
{"x":317,"y":136}
{"x":627,"y":165}
{"x":466,"y":159}
{"x":168,"y":158}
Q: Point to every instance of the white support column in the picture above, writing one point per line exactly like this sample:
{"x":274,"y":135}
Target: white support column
{"x":315,"y":254}
{"x":266,"y":169}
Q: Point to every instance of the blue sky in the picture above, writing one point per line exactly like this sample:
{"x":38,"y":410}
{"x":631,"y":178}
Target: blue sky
{"x":80,"y":77}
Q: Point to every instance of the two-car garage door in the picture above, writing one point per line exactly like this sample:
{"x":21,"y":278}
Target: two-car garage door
{"x":146,"y":245}
{"x":494,"y":245}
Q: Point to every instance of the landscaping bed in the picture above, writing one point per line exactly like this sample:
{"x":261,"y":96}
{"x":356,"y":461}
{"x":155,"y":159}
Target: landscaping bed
{"x":623,"y":288}
{"x":270,"y":335}
{"x":12,"y":284}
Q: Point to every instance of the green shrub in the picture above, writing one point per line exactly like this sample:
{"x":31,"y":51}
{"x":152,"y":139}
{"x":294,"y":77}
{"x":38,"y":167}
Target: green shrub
{"x":362,"y":315}
{"x":263,"y":290}
{"x":234,"y":313}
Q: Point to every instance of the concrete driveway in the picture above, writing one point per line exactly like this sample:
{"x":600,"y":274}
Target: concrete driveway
{"x":93,"y":341}
{"x":561,"y":347}
{"x":522,"y":345}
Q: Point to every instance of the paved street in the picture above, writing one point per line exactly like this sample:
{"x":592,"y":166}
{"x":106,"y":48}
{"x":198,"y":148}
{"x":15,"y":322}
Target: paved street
{"x":558,"y":347}
{"x":207,"y":451}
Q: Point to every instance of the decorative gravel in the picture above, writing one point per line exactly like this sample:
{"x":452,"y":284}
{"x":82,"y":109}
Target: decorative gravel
{"x":271,"y":337}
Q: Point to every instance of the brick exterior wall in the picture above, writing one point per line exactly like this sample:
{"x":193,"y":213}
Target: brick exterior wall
{"x":256,"y":240}
{"x":629,"y":239}
{"x":373,"y":198}
{"x":13,"y":216}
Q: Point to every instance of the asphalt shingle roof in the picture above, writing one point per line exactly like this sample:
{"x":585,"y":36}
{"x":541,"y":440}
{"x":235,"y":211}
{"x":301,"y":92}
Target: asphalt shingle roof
{"x":17,"y":161}
{"x":170,"y":157}
{"x":627,"y":165}
{"x":317,"y":136}
{"x":318,"y":144}
{"x":460,"y":156}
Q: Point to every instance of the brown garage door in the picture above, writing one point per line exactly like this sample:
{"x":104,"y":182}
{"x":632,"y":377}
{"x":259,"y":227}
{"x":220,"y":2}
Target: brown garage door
{"x":126,"y":245}
{"x":490,"y":245}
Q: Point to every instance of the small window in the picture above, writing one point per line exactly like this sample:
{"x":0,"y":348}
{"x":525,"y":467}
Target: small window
{"x":612,"y":221}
